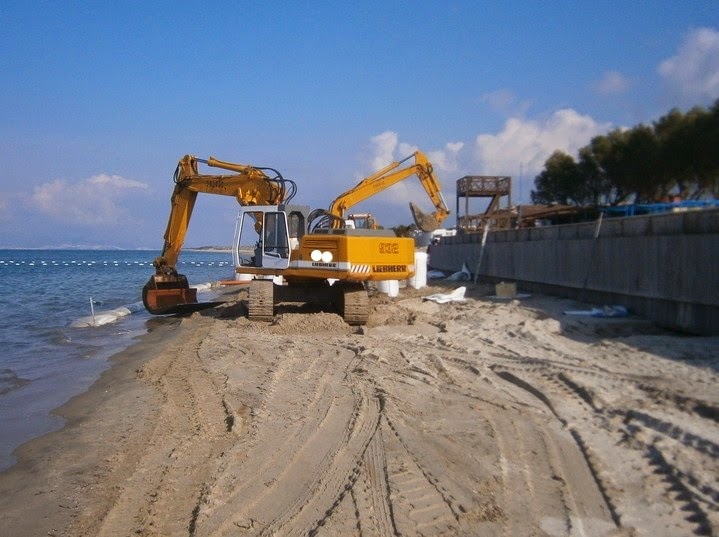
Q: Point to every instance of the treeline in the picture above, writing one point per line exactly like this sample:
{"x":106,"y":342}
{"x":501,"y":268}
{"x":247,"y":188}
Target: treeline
{"x":677,"y":155}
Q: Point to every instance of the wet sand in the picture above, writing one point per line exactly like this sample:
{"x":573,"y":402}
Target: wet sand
{"x":476,"y":418}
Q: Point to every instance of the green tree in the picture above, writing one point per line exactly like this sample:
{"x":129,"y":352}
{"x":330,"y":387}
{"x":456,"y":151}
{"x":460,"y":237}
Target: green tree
{"x":678,"y":154}
{"x":675,"y":159}
{"x":628,"y":165}
{"x":559,"y":182}
{"x":689,"y":150}
{"x":643,"y":174}
{"x":706,"y":140}
{"x":597,"y":187}
{"x":403,"y":230}
{"x":608,"y":153}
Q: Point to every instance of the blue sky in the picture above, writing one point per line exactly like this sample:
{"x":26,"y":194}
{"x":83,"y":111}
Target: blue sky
{"x":100,"y":100}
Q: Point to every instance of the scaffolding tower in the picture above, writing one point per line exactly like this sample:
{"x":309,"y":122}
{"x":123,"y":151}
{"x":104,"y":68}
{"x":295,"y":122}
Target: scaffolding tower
{"x":483,"y":186}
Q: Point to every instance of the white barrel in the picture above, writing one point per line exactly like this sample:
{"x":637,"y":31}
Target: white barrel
{"x":388,"y":287}
{"x":393,"y":288}
{"x":419,"y":279}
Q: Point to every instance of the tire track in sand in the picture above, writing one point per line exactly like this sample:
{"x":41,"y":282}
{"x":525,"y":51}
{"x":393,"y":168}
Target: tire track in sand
{"x":299,"y":468}
{"x":612,"y":438}
{"x":574,"y":477}
{"x":161,"y":494}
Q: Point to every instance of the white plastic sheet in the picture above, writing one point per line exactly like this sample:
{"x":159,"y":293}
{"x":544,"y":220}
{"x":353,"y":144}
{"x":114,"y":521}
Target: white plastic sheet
{"x":455,"y":296}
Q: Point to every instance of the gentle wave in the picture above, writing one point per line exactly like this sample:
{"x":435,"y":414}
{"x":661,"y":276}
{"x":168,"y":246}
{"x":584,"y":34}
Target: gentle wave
{"x":10,"y":381}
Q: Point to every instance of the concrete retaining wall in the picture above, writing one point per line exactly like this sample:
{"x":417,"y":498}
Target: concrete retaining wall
{"x":665,"y":267}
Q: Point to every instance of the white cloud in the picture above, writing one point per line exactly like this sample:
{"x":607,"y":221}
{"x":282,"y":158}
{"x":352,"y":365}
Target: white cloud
{"x":522,"y":144}
{"x":505,"y":102}
{"x":612,"y":83}
{"x":405,"y":150}
{"x":694,"y":70}
{"x":386,"y":148}
{"x":115,"y":181}
{"x":446,"y":159}
{"x":95,"y":201}
{"x":383,"y":148}
{"x":529,"y":142}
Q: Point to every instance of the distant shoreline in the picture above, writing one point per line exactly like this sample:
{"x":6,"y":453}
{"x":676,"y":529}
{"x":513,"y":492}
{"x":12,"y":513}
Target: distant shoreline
{"x":114,"y":248}
{"x":209,"y":249}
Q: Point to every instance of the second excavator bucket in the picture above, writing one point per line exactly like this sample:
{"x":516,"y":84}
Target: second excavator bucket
{"x":423,"y":221}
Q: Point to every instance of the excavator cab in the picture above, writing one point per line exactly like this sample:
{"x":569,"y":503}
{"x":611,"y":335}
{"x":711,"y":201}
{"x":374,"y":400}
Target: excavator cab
{"x":266,"y":235}
{"x":361,"y":221}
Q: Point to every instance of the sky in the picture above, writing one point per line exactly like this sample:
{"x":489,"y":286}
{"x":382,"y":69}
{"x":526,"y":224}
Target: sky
{"x":100,"y":100}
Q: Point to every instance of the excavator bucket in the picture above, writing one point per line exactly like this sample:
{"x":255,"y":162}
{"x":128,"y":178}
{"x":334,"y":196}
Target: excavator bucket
{"x":172,"y":297}
{"x":423,"y":221}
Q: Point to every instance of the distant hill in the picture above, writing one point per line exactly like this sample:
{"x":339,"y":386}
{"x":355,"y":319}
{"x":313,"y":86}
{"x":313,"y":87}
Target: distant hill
{"x":210,"y":248}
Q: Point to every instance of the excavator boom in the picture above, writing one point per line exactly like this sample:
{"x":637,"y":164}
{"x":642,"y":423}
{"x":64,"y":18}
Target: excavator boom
{"x":390,"y":175}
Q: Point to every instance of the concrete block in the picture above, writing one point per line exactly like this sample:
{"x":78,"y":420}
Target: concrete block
{"x":505,"y":290}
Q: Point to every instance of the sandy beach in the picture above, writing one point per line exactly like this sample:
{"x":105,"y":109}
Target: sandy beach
{"x":488,"y":417}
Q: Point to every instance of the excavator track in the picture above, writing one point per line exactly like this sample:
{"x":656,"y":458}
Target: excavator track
{"x":261,"y":304}
{"x":354,"y":303}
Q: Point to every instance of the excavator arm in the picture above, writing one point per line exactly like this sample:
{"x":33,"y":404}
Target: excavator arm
{"x":390,"y":175}
{"x":169,"y":292}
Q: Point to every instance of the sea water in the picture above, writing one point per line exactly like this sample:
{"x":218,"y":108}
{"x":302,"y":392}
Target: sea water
{"x":50,"y":350}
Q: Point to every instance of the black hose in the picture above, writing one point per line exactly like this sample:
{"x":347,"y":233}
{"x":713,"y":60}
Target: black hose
{"x":324,"y":219}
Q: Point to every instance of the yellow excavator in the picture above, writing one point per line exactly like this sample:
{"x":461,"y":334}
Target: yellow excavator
{"x":307,"y":249}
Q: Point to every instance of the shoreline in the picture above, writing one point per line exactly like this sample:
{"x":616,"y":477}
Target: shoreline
{"x":57,"y":344}
{"x":36,"y":493}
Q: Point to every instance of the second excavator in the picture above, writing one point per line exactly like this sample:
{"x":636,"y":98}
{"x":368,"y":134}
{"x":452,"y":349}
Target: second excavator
{"x":381,"y":180}
{"x":319,"y":259}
